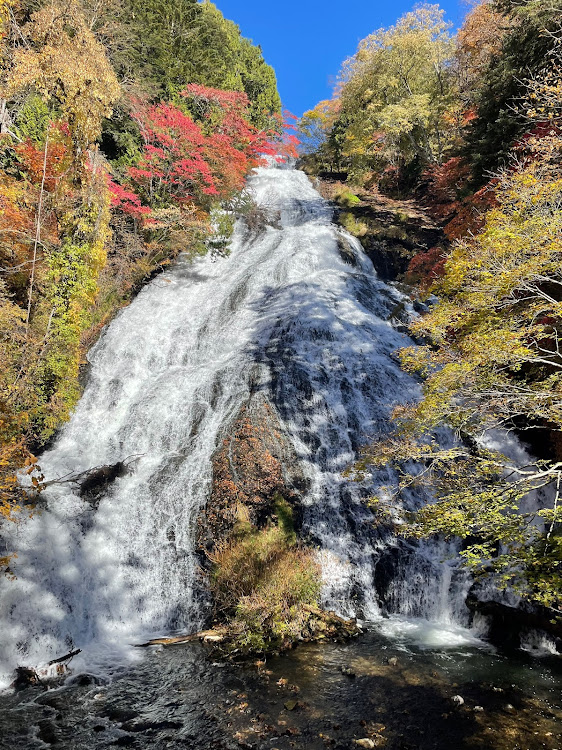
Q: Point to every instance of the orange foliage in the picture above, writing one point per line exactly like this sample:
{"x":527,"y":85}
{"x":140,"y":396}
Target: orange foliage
{"x":425,"y":267}
{"x":444,"y":185}
{"x":58,"y":157}
{"x":471,"y":213}
{"x":479,"y":38}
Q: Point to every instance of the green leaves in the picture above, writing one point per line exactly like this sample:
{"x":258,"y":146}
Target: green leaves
{"x":493,"y":362}
{"x":397,"y":93}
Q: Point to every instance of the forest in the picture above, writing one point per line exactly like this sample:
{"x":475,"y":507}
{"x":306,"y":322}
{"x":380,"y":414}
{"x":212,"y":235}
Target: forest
{"x":280,"y":396}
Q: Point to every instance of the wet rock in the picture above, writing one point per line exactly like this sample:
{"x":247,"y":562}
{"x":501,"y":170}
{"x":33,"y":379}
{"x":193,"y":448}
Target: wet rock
{"x":478,"y":709}
{"x":24,"y":677}
{"x":125,"y":741}
{"x":347,"y":671}
{"x":346,"y":251}
{"x":150,"y":726}
{"x":119,"y":714}
{"x":392,"y":232}
{"x":85,"y":679}
{"x":458,"y":699}
{"x":47,"y":732}
{"x":508,"y":624}
{"x":254,"y":466}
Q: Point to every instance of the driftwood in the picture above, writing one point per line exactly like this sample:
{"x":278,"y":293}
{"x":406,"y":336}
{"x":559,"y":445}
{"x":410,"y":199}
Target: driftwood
{"x":331,"y":618}
{"x":207,"y":636}
{"x":92,"y":483}
{"x":26,"y":676}
{"x":90,"y":478}
{"x":66,"y":657}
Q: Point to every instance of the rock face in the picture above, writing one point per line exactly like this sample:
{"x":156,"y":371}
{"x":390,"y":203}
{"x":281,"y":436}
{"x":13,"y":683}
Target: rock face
{"x":508,"y":624}
{"x":390,"y":231}
{"x":393,"y":236}
{"x":254,"y":466}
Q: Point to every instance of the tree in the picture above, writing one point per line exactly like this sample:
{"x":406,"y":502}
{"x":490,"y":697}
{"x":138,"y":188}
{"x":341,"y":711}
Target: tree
{"x":479,"y":40}
{"x":399,"y":92}
{"x":193,"y":157}
{"x":159,"y":46}
{"x":494,"y":362}
{"x":80,"y":233}
{"x":317,"y":129}
{"x":62,"y":62}
{"x":525,"y":46}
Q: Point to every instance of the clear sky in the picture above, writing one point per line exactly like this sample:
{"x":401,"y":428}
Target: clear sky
{"x":307,"y":40}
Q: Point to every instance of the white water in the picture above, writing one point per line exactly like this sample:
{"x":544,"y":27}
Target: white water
{"x":283,"y":313}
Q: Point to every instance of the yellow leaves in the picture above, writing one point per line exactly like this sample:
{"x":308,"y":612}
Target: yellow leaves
{"x":400,"y":82}
{"x":4,"y":17}
{"x":494,"y":331}
{"x":416,"y":360}
{"x":65,"y":63}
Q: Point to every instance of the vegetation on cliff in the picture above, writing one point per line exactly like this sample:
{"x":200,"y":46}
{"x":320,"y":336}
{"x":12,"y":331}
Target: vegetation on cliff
{"x":470,"y":125}
{"x":265,"y":581}
{"x":119,"y":144}
{"x":420,"y":112}
{"x":265,"y":584}
{"x":494,"y":363}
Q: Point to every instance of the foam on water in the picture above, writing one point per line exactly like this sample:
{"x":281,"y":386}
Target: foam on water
{"x":427,"y":634}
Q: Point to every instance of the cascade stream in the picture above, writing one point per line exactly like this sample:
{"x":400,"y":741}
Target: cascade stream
{"x":295,"y":312}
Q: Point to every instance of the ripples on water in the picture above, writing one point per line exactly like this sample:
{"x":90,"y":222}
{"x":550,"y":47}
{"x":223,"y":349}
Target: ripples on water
{"x":390,"y":690}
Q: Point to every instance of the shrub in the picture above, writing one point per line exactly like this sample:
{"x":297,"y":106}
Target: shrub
{"x":267,"y":585}
{"x":345,"y":197}
{"x":352,"y":225}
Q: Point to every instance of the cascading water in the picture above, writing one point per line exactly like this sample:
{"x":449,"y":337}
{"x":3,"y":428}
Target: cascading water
{"x":296,"y":311}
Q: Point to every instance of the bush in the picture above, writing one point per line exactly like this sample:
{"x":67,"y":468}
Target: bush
{"x":266,"y":585}
{"x":345,"y":197}
{"x":352,"y":225}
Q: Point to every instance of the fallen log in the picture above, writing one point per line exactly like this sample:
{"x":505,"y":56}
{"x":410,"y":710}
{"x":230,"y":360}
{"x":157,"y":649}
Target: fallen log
{"x":26,"y":676}
{"x":206,"y":636}
{"x":66,"y":657}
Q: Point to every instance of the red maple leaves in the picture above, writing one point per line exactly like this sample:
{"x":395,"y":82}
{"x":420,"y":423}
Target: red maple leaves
{"x":194,"y":152}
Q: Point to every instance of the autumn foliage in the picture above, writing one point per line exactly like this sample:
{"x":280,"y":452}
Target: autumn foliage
{"x":80,"y":229}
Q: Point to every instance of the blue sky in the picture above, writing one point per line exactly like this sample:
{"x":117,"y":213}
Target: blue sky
{"x":307,"y":40}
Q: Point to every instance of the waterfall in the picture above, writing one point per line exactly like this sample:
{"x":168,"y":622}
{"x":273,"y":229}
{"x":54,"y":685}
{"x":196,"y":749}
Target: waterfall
{"x":295,"y":311}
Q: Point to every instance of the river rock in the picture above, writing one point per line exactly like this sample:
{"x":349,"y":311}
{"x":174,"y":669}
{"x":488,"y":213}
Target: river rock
{"x":255,"y":465}
{"x":24,"y":677}
{"x":347,"y":671}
